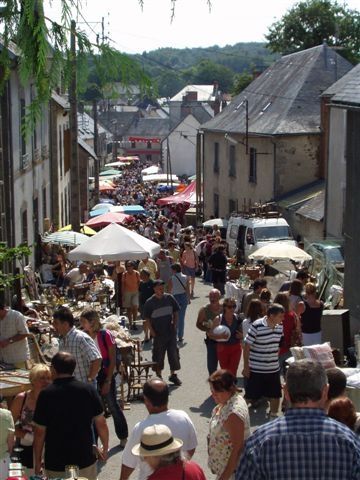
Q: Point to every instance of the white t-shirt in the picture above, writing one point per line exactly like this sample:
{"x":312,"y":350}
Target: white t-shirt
{"x":245,"y":326}
{"x":75,"y":276}
{"x":181,"y":427}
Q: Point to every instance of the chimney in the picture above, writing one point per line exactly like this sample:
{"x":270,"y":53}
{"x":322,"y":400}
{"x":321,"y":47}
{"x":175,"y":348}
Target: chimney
{"x":190,"y":97}
{"x":215,"y":88}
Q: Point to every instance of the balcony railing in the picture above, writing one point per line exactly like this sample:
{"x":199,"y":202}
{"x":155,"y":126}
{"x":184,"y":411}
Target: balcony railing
{"x":24,"y":161}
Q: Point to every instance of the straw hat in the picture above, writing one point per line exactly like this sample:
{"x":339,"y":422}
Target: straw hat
{"x":155,"y":441}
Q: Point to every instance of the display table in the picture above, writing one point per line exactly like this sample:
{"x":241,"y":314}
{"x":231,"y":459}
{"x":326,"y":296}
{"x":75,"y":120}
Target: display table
{"x":13,"y":382}
{"x":353,"y":385}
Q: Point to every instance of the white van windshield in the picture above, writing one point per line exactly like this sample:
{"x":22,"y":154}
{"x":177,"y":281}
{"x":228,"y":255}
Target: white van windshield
{"x":277,"y":232}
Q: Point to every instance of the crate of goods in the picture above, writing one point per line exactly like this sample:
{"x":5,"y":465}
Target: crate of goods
{"x":252,"y":272}
{"x":234,"y":273}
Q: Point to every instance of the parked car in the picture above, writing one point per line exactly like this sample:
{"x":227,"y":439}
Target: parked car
{"x":326,"y":253}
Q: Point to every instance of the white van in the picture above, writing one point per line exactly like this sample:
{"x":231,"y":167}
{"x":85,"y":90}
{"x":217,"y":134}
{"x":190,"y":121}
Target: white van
{"x":247,"y":234}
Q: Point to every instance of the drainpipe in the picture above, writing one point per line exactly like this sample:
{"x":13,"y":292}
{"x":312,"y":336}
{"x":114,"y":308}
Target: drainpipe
{"x":275,"y":168}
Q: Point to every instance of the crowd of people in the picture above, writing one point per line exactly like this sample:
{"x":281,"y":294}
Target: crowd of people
{"x":62,"y":413}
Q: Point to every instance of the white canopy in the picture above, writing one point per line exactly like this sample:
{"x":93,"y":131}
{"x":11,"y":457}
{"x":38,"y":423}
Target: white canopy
{"x":117,"y":164}
{"x":280,"y":251}
{"x":153,"y":169}
{"x":220,"y":222}
{"x":115,"y":242}
{"x":159,"y":177}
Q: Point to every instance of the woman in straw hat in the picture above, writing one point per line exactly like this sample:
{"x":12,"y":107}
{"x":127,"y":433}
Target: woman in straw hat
{"x":163,"y":454}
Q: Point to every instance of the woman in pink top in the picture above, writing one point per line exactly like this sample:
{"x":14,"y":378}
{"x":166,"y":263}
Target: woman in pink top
{"x":189,"y":263}
{"x":90,"y":322}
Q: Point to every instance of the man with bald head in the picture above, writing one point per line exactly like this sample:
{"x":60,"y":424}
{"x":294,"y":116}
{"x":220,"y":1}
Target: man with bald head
{"x":156,"y":398}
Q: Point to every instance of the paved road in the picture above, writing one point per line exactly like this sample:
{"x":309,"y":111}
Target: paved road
{"x":193,"y":396}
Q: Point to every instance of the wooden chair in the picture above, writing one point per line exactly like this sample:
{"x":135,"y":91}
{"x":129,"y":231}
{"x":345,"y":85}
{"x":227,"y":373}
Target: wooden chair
{"x":36,"y":355}
{"x":139,"y":372}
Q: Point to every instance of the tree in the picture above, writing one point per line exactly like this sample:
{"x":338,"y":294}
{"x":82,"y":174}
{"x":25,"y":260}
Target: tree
{"x":8,"y":256}
{"x":241,"y":81}
{"x":44,"y":56}
{"x":310,"y":22}
{"x":208,"y":72}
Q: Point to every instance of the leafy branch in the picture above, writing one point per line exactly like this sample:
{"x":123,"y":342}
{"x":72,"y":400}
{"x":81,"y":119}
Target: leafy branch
{"x":8,"y":255}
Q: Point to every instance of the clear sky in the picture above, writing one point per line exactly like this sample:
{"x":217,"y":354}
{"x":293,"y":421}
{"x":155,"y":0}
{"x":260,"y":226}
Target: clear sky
{"x":134,"y":30}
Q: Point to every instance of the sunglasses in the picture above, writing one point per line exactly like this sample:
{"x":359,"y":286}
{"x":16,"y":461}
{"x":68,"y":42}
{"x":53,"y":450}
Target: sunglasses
{"x":230,"y":306}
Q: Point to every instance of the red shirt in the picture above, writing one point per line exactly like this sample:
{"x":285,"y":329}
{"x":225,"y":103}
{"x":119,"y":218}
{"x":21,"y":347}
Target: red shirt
{"x":105,"y":341}
{"x":175,"y":472}
{"x":289,"y":325}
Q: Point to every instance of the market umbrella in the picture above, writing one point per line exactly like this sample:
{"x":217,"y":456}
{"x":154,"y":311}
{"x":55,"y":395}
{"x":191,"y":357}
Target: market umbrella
{"x":107,"y":218}
{"x":99,"y":209}
{"x":105,"y":187}
{"x":115,"y":242}
{"x":68,"y":237}
{"x":110,"y":173}
{"x":280,"y":251}
{"x":220,"y":222}
{"x":83,"y":229}
{"x":150,"y":170}
{"x":129,"y":209}
{"x":127,"y":159}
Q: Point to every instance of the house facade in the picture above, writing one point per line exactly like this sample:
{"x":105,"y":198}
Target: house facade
{"x":267,"y":142}
{"x":25,"y":164}
{"x":179,"y":147}
{"x":335,"y":125}
{"x":345,"y":105}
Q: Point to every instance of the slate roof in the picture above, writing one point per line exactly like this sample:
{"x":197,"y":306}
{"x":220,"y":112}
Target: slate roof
{"x":61,"y":100}
{"x":86,"y":126}
{"x":346,"y":91}
{"x":149,"y":127}
{"x":118,"y":122}
{"x":298,"y":197}
{"x":86,"y":147}
{"x":201,"y":114}
{"x":285,"y":98}
{"x":314,"y":209}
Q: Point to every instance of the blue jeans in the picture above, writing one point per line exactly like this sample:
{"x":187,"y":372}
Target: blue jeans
{"x":182,"y":300}
{"x":120,"y":424}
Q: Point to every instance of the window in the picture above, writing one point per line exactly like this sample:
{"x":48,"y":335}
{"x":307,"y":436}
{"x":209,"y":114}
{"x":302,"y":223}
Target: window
{"x":232,"y":206}
{"x":22,"y":119}
{"x":252,"y":165}
{"x":44,"y":206}
{"x":216,"y":158}
{"x":61,"y":150}
{"x":24,"y":227}
{"x":216,"y":205}
{"x":232,"y":159}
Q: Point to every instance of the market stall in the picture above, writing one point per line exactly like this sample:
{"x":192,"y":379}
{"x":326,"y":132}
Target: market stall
{"x":13,"y":382}
{"x":113,"y":243}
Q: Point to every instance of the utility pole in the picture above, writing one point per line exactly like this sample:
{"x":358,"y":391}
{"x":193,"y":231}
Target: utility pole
{"x":96,"y":149}
{"x":74,"y":155}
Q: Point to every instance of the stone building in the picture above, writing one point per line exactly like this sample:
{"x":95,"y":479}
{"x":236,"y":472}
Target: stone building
{"x":266,"y":143}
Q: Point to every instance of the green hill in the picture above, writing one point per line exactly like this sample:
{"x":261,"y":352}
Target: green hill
{"x":171,"y":69}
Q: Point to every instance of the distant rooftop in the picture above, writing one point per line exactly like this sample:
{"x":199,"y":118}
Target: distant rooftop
{"x":204,"y":93}
{"x":285,"y":98}
{"x":347,"y":89}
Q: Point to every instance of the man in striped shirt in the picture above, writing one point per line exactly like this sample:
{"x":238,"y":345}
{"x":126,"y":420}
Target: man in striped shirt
{"x":261,"y":358}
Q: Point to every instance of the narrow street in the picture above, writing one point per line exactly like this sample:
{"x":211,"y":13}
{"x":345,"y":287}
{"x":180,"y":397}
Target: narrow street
{"x":193,"y":396}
